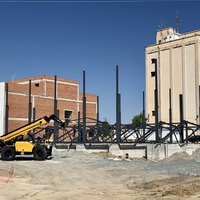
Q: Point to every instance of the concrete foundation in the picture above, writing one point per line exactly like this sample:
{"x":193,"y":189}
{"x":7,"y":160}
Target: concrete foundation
{"x":149,"y":151}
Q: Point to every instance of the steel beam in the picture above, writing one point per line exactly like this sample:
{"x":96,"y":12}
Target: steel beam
{"x":6,"y":110}
{"x":170,"y":113}
{"x":154,"y":61}
{"x":29,"y":103}
{"x":181,"y":116}
{"x":84,"y":109}
{"x":118,"y":109}
{"x":55,"y":109}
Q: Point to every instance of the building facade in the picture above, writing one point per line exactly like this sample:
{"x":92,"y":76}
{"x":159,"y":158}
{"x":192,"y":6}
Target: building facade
{"x":39,"y":93}
{"x":178,"y":74}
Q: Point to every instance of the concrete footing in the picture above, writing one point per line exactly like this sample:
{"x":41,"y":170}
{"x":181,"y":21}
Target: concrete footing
{"x":145,"y":150}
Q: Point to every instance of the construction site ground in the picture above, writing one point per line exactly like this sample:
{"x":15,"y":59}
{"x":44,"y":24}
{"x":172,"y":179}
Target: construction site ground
{"x":72,"y":175}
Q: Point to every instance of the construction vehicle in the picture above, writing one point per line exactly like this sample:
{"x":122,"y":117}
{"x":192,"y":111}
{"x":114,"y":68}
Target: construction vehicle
{"x":22,"y":142}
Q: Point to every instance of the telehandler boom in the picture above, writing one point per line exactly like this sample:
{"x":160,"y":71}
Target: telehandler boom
{"x":21,"y":142}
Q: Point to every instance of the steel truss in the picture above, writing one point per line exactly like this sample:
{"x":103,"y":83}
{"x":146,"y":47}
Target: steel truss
{"x":102,"y":133}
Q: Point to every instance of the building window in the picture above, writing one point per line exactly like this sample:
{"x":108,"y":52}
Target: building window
{"x":37,"y":84}
{"x":153,"y":74}
{"x":153,"y":113}
{"x":67,"y":114}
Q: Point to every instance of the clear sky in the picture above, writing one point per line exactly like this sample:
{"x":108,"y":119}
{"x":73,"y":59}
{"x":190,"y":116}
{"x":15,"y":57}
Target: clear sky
{"x":65,"y":38}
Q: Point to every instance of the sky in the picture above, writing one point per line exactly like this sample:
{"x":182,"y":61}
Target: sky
{"x":66,"y":38}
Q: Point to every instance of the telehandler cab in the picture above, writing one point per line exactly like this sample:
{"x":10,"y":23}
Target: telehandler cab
{"x":21,"y":142}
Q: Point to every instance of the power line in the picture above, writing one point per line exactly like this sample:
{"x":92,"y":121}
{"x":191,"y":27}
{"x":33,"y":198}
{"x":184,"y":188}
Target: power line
{"x":93,"y":1}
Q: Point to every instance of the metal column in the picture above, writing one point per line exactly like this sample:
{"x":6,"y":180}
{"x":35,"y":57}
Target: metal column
{"x":80,"y":132}
{"x":6,"y":110}
{"x":181,"y":116}
{"x":170,"y":113}
{"x":154,"y":61}
{"x":98,"y":116}
{"x":84,"y":109}
{"x":29,"y":103}
{"x":55,"y":109}
{"x":143,"y":115}
{"x":118,"y":108}
{"x":97,"y":108}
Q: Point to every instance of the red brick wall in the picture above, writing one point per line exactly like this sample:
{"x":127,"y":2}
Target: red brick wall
{"x":43,"y":99}
{"x":14,"y":124}
{"x":43,"y":106}
{"x":90,"y":111}
{"x":89,"y":97}
{"x":18,"y":106}
{"x":67,"y":105}
{"x":18,"y":88}
{"x":49,"y":90}
{"x":67,"y":91}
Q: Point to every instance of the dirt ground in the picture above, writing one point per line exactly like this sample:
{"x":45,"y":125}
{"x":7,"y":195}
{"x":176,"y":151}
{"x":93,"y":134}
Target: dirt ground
{"x":71,"y":175}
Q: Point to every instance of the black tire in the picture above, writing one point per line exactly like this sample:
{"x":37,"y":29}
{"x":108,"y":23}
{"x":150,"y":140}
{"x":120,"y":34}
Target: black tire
{"x":39,"y":153}
{"x":7,"y":153}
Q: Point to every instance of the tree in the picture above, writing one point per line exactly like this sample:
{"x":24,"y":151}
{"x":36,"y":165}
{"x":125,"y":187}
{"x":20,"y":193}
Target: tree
{"x":137,"y":120}
{"x":105,"y":130}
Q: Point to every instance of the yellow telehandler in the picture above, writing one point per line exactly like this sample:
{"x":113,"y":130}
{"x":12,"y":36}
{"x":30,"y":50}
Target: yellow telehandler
{"x":21,"y":142}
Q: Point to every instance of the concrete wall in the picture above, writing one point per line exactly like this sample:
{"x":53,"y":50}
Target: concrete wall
{"x":166,"y":150}
{"x":153,"y":152}
{"x":2,"y":108}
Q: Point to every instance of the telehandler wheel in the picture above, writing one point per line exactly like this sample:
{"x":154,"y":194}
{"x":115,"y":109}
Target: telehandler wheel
{"x":8,"y":153}
{"x":39,"y":153}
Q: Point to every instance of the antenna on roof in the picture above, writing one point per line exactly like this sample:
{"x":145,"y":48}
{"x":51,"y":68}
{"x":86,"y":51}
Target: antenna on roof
{"x":177,"y":22}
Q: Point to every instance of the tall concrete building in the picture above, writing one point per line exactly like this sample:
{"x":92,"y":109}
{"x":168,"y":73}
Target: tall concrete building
{"x":178,"y":70}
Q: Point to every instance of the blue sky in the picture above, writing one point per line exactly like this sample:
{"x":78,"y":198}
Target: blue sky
{"x":65,"y":38}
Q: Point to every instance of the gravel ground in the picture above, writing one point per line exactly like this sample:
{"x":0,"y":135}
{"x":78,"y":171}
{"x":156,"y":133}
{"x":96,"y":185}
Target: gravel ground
{"x":72,"y":175}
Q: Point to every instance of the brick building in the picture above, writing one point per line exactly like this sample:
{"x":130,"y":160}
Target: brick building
{"x":69,"y":100}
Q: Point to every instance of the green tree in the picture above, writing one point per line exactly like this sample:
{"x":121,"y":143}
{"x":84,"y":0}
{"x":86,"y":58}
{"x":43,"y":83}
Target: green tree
{"x":137,"y":120}
{"x":105,"y":130}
